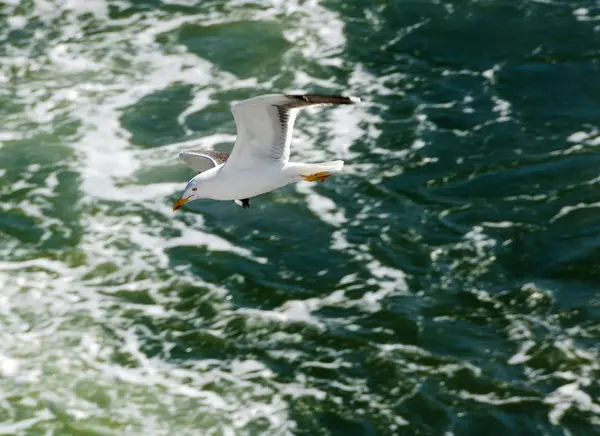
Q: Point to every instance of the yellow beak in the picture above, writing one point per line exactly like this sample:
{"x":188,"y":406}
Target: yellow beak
{"x":181,"y":202}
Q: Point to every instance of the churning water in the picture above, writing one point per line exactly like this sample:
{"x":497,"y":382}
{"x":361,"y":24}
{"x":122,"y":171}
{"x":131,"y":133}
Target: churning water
{"x":447,"y":283}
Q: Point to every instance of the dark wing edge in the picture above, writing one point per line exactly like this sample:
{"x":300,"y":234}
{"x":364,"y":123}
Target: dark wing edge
{"x":287,"y":114}
{"x":189,"y":157}
{"x":305,"y":100}
{"x":218,"y":157}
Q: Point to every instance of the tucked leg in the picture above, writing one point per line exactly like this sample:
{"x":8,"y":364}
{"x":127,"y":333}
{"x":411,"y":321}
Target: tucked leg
{"x":316,"y":176}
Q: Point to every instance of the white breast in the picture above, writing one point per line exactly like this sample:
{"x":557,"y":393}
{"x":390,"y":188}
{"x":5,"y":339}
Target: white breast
{"x":235,"y":184}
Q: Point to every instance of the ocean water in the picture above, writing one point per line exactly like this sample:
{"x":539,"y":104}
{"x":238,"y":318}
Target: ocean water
{"x":446,"y":283}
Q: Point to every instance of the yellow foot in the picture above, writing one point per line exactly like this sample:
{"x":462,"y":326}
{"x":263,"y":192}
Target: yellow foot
{"x":316,"y":176}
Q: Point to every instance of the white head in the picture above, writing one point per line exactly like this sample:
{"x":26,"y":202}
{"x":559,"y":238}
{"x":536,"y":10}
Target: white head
{"x":190,"y":193}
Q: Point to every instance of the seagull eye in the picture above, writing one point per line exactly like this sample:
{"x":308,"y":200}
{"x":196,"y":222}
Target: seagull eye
{"x":194,"y":189}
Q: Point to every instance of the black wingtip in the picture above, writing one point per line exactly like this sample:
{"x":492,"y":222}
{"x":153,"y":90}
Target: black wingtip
{"x":324,"y":98}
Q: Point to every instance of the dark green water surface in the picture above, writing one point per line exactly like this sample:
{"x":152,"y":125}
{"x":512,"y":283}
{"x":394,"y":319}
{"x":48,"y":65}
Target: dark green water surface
{"x":447,"y":283}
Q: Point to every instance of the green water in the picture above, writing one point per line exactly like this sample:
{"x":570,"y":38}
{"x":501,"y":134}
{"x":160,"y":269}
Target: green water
{"x":447,"y":283}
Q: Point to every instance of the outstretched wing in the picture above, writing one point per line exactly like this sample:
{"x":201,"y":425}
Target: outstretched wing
{"x":202,"y":160}
{"x":265,"y":124}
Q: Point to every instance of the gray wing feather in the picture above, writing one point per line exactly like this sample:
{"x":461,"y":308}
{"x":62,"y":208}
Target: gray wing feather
{"x":288,"y":111}
{"x":265,"y":123}
{"x":202,"y":160}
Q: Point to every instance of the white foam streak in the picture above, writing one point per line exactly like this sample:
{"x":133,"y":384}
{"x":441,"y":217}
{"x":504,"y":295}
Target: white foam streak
{"x":565,"y":210}
{"x":67,"y":323}
{"x":569,"y":396}
{"x":323,"y":207}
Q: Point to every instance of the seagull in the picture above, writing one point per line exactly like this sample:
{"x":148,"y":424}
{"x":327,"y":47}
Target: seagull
{"x":259,"y":161}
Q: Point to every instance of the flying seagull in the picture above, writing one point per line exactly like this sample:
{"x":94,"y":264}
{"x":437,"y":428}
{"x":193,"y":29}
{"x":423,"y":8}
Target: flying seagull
{"x":259,"y":161}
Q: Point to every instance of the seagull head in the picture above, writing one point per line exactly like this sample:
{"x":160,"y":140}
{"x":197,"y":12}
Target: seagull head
{"x":189,"y":194}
